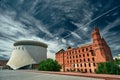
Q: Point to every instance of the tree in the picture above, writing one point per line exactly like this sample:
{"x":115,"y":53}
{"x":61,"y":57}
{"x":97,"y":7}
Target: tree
{"x":49,"y":65}
{"x":108,"y":68}
{"x":117,"y":61}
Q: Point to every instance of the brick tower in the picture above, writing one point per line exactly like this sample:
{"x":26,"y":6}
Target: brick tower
{"x":100,"y":47}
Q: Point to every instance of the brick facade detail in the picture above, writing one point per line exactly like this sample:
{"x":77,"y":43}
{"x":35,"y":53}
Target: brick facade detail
{"x":85,"y":58}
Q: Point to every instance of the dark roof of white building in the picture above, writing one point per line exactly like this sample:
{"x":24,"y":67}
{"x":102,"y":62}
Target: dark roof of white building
{"x":30,"y":42}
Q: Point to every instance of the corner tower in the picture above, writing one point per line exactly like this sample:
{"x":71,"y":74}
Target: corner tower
{"x":100,"y":47}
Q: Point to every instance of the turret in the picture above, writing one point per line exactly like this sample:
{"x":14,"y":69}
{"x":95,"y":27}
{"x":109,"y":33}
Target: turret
{"x":96,"y":36}
{"x":101,"y":49}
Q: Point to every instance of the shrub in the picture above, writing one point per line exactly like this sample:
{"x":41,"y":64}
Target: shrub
{"x":108,"y":68}
{"x":49,"y":65}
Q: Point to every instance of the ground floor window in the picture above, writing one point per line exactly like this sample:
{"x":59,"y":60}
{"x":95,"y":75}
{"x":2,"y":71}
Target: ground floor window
{"x":90,"y":71}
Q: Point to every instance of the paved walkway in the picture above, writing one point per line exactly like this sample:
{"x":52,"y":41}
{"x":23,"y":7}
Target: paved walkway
{"x":90,"y":75}
{"x":36,"y":75}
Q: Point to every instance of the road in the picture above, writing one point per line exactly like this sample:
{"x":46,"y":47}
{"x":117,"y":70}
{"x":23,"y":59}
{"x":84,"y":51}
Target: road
{"x":24,"y":75}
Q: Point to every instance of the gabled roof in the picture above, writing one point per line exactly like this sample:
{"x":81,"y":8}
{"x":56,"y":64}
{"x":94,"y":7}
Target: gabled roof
{"x":62,"y":50}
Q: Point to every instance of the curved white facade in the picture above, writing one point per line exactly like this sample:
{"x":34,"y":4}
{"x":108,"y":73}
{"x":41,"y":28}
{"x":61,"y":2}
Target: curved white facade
{"x":26,"y":53}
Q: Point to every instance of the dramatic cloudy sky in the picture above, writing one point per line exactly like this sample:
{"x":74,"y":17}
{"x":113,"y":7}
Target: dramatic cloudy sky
{"x":58,"y":23}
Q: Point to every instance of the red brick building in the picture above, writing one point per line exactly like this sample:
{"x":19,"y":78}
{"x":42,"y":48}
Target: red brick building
{"x":85,"y":58}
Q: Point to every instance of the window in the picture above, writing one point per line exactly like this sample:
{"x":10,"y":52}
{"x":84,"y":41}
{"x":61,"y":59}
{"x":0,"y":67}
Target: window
{"x":68,"y":70}
{"x":73,"y":65}
{"x":82,"y":50}
{"x":73,"y":56}
{"x":85,"y":64}
{"x":76,"y":56}
{"x":77,"y":65}
{"x":83,"y":55}
{"x":70,"y":61}
{"x":72,"y":51}
{"x":77,"y":61}
{"x":87,"y":54}
{"x":67,"y":61}
{"x":86,"y":49}
{"x":79,"y":55}
{"x":93,"y":59}
{"x":93,"y":64}
{"x":81,"y":65}
{"x":67,"y":57}
{"x":84,"y":60}
{"x":78,"y":70}
{"x":73,"y":60}
{"x":88,"y":59}
{"x":80,"y":60}
{"x":95,"y":70}
{"x":85,"y":70}
{"x":76,"y":52}
{"x":90,"y":47}
{"x":90,"y":70}
{"x":92,"y":53}
{"x":89,"y":65}
{"x":79,"y":51}
{"x":81,"y":70}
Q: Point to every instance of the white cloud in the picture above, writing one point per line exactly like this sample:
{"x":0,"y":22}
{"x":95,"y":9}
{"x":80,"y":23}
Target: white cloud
{"x":10,"y":29}
{"x":76,"y":35}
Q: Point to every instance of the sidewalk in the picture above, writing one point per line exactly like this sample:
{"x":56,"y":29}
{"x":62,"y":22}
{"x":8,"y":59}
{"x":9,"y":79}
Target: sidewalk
{"x":100,"y":76}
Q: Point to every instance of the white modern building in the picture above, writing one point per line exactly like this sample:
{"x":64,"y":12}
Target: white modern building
{"x":27,"y":53}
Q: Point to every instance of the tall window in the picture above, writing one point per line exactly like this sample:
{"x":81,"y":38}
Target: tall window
{"x":82,"y":50}
{"x":73,"y":60}
{"x":85,"y":70}
{"x":85,"y":64}
{"x":89,"y":65}
{"x":79,"y":55}
{"x":76,"y":56}
{"x":92,"y":53}
{"x":93,"y":64}
{"x":90,"y":70}
{"x":77,"y":65}
{"x":81,"y":65}
{"x":93,"y":59}
{"x":80,"y":60}
{"x":73,"y":65}
{"x":77,"y":61}
{"x":84,"y":60}
{"x":88,"y":59}
{"x":67,"y":61}
{"x":67,"y":57}
{"x":70,"y":61}
{"x":83,"y":55}
{"x":87,"y":54}
{"x":76,"y":52}
{"x":86,"y":49}
{"x":81,"y":70}
{"x":73,"y":56}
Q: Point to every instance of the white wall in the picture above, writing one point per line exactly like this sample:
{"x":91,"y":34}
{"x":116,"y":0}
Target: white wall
{"x":26,"y":54}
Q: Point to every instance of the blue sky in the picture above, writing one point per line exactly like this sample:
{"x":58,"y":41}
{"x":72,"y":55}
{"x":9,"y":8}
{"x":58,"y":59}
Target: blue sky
{"x":58,"y":23}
